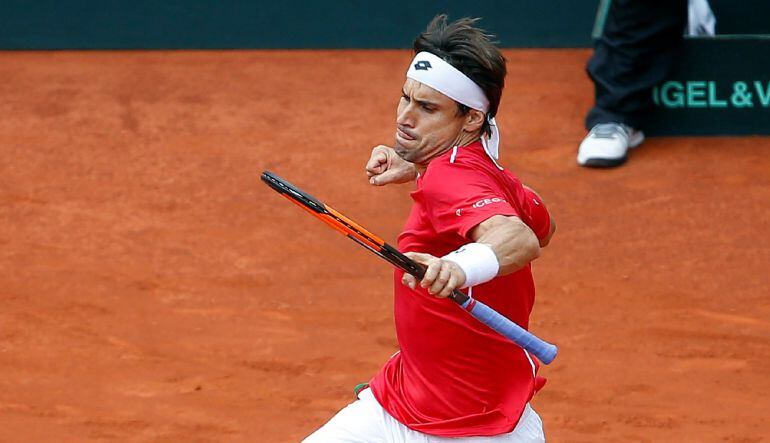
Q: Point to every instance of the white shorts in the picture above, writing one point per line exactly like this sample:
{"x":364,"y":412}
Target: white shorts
{"x":365,"y":421}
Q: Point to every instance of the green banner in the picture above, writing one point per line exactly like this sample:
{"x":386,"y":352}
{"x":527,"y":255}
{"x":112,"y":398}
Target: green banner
{"x":262,"y":24}
{"x":720,"y":86}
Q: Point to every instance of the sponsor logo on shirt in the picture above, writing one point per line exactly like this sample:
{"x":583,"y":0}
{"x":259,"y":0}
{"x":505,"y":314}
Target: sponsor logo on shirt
{"x":481,"y":203}
{"x":487,"y":201}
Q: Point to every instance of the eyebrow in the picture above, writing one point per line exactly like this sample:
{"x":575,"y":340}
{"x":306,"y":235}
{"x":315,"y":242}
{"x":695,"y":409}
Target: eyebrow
{"x":421,"y":102}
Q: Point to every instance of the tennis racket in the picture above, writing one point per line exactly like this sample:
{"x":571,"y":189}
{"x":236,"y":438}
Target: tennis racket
{"x":543,"y":350}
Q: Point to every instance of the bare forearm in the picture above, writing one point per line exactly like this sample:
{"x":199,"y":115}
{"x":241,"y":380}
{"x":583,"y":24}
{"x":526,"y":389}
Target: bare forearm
{"x":514,"y":244}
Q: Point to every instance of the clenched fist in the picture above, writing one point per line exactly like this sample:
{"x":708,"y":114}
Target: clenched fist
{"x":441,"y":276}
{"x":386,"y":167}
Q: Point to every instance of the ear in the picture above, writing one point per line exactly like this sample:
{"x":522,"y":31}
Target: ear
{"x":474,"y":119}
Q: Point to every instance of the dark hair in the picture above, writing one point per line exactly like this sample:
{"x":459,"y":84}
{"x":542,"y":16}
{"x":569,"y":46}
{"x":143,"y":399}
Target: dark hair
{"x":470,"y":50}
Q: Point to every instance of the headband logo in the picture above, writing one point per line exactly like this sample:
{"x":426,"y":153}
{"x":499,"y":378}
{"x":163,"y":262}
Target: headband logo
{"x":422,"y":65}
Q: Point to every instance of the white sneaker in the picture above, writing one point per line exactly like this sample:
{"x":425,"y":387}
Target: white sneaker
{"x":607,"y":144}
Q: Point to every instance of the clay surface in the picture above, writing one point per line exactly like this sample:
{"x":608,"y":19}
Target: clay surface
{"x":152,"y":289}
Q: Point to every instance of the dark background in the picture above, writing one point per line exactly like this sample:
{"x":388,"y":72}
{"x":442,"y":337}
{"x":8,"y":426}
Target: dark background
{"x":209,"y":24}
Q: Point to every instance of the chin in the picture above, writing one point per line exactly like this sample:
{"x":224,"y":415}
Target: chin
{"x":405,"y":153}
{"x":401,"y":152}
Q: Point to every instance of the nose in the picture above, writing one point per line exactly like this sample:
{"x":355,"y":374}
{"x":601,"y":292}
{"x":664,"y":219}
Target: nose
{"x":404,"y":115}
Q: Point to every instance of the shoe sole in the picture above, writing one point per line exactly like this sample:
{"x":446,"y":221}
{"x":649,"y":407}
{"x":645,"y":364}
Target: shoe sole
{"x":604,"y":162}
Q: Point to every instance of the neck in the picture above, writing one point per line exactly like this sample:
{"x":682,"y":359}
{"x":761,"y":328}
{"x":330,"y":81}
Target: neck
{"x":463,"y":139}
{"x":466,"y":138}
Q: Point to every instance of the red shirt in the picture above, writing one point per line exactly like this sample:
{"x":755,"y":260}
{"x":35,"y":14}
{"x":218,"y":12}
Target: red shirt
{"x":454,"y":376}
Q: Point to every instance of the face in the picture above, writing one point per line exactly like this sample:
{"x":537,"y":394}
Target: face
{"x":428,"y":123}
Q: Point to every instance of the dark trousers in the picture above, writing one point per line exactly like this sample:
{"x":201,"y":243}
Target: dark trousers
{"x":640,"y":42}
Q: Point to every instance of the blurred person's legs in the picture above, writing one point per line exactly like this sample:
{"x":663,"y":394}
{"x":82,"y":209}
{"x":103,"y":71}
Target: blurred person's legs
{"x":639,"y":43}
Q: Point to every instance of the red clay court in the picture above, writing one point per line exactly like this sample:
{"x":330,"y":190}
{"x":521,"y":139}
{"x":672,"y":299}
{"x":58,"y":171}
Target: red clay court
{"x":152,"y":289}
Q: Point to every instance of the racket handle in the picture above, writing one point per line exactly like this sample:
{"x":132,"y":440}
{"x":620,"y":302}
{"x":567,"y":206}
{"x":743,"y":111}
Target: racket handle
{"x":544,"y":351}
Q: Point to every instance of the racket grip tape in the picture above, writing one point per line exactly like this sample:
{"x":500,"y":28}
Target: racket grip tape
{"x":544,"y":351}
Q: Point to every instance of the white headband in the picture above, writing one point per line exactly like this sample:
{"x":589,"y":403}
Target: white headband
{"x":432,"y":71}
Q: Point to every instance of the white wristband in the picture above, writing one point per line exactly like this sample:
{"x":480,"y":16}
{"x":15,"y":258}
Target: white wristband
{"x":477,"y":260}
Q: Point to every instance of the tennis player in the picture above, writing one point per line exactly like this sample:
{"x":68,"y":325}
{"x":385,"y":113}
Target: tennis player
{"x":476,"y":227}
